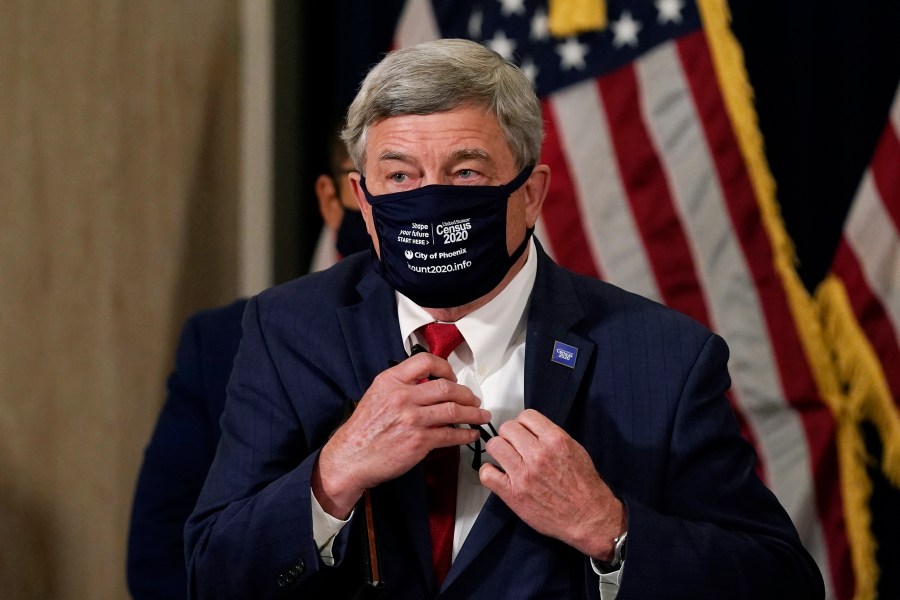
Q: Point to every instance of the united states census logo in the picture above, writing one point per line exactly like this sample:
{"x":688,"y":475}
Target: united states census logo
{"x":564,"y":354}
{"x":408,"y":254}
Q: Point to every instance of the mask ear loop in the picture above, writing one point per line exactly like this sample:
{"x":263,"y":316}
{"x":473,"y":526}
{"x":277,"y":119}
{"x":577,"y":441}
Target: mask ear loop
{"x":513,"y":185}
{"x":483,"y":436}
{"x":520,"y":179}
{"x":521,"y":249}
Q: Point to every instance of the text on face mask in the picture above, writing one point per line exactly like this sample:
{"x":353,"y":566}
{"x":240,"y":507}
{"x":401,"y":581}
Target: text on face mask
{"x":459,"y":266}
{"x":433,"y":255}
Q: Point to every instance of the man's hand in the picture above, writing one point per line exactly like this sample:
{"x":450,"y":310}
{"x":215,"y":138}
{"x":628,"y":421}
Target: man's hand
{"x":549,"y":481}
{"x":397,"y":422}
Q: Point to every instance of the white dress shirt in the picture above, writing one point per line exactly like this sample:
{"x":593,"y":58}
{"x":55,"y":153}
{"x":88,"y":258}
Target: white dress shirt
{"x":490,"y":362}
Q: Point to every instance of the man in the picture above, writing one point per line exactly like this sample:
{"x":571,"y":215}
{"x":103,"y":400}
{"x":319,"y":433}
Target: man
{"x":618,"y":469}
{"x":187,"y":432}
{"x":344,"y":231}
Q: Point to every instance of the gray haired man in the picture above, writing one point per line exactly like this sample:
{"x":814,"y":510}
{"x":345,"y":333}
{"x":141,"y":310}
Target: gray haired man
{"x":560,"y":437}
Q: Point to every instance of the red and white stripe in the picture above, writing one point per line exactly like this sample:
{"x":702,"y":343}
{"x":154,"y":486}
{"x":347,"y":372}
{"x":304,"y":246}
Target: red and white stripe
{"x":868,"y":257}
{"x":417,"y":24}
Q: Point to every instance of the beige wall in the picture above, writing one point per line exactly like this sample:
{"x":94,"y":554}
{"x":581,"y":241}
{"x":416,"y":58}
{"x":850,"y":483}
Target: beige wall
{"x":118,"y":216}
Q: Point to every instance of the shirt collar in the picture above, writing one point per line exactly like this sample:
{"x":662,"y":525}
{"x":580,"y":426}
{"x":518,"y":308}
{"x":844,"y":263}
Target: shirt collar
{"x":489,"y":331}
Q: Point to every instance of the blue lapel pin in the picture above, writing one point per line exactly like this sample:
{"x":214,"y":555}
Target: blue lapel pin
{"x":564,"y":354}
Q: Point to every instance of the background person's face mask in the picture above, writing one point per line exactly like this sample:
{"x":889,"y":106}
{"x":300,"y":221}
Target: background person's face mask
{"x":351,"y":234}
{"x":444,"y":245}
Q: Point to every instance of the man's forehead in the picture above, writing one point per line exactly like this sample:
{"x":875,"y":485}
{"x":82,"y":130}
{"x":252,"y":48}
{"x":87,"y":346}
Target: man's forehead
{"x":473,"y":121}
{"x":464,"y":133}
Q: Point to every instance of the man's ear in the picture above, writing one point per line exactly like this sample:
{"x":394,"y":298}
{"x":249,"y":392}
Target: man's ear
{"x":536,"y":188}
{"x":364,"y":207}
{"x":358,"y":194}
{"x":330,"y":206}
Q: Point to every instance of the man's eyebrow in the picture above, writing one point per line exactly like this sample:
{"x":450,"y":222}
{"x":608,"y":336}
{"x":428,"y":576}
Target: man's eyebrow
{"x":394,"y":155}
{"x":469,"y":154}
{"x":456,"y":155}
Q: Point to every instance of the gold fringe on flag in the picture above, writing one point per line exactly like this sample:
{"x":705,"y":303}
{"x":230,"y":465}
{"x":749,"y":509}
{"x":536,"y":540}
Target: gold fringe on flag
{"x":868,"y":394}
{"x":571,"y":17}
{"x":866,"y":398}
{"x":855,"y":487}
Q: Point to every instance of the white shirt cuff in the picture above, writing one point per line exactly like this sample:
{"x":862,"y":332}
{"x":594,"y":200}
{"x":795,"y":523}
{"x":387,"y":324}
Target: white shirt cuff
{"x":609,"y":582}
{"x":325,"y":528}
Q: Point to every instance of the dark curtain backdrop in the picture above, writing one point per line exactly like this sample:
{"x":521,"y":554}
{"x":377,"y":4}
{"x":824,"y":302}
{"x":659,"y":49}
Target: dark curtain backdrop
{"x":824,"y":75}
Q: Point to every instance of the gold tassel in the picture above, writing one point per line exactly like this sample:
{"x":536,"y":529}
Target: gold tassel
{"x":571,"y":17}
{"x":868,"y":398}
{"x":855,"y":485}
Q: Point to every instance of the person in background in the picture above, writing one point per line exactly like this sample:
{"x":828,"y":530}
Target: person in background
{"x":187,"y":431}
{"x":558,"y":438}
{"x":344,"y":230}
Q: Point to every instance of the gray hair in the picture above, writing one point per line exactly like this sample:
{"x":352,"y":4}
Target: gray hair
{"x":440,"y":76}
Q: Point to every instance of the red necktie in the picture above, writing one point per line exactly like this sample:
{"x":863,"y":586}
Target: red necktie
{"x":441,"y":466}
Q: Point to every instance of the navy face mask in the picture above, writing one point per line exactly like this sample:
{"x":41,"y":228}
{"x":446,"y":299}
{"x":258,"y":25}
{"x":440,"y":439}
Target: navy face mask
{"x":444,"y":245}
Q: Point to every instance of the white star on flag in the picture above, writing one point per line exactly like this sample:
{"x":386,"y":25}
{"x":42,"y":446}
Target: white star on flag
{"x":540,"y":29}
{"x":502,"y":45}
{"x":530,"y":70}
{"x":669,"y":11}
{"x":571,"y":54}
{"x":625,"y":31}
{"x":512,"y":7}
{"x":475,"y":21}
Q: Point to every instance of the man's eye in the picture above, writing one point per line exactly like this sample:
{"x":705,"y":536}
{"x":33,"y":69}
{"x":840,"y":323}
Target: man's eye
{"x":466,"y":174}
{"x":398,"y":177}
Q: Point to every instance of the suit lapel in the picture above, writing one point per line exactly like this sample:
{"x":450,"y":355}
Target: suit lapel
{"x":550,"y":387}
{"x":552,"y":382}
{"x":372,"y":334}
{"x":406,"y":498}
{"x":371,"y":331}
{"x":493,"y":517}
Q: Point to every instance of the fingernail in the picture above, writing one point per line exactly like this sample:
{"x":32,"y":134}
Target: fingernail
{"x":486,"y":414}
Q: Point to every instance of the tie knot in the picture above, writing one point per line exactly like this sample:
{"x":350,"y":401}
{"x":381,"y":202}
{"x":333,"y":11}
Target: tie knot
{"x":442,"y":338}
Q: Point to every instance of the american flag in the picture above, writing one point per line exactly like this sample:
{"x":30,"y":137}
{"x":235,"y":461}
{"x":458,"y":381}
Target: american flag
{"x":660,"y":185}
{"x":860,"y":301}
{"x":868,"y":256}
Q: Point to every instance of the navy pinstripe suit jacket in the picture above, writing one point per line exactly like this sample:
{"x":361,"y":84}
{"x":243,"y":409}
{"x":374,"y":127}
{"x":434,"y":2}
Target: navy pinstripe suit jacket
{"x":646,"y":398}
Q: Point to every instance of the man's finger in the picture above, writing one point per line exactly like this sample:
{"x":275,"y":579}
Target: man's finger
{"x":493,"y":479}
{"x":504,"y":453}
{"x":446,"y":437}
{"x":422,"y":366}
{"x":437,"y":391}
{"x":535,"y":422}
{"x":520,"y":437}
{"x":451,"y":413}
